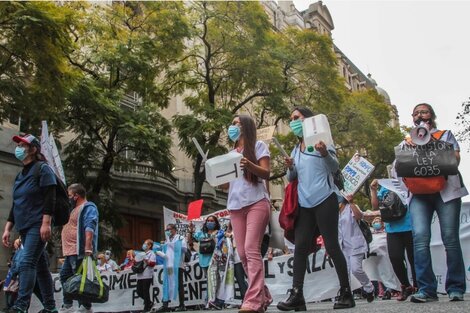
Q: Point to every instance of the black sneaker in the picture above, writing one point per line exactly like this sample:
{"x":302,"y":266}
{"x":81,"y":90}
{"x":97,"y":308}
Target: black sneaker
{"x":370,"y":296}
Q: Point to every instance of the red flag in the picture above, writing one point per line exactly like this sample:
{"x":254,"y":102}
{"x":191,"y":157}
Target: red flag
{"x":195,"y":209}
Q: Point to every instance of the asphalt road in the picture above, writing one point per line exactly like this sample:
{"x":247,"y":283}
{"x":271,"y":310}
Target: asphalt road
{"x":384,"y":306}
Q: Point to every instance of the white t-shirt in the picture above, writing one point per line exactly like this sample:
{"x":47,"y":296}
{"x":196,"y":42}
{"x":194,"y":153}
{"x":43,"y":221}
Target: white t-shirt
{"x":243,"y":193}
{"x":148,"y":271}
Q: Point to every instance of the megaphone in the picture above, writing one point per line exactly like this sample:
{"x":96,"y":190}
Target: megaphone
{"x":420,"y":135}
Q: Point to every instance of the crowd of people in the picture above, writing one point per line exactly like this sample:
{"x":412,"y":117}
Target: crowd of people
{"x":233,"y":251}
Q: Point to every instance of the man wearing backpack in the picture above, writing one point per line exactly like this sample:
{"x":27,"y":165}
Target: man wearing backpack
{"x":79,"y":239}
{"x":34,"y":202}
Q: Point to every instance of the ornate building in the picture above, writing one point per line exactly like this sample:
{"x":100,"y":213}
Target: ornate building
{"x":141,"y":192}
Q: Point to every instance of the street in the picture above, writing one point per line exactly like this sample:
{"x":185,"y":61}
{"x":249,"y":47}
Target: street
{"x":385,"y":306}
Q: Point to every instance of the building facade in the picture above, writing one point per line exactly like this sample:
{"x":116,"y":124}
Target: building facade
{"x":141,"y":192}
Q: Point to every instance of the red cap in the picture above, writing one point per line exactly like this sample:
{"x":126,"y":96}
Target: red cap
{"x":29,"y":139}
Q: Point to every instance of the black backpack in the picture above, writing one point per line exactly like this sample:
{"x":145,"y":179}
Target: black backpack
{"x":63,"y":207}
{"x":391,"y":207}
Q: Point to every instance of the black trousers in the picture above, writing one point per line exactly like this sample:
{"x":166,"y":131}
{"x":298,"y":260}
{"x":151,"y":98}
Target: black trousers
{"x":397,"y":244}
{"x":324,"y":217}
{"x":181,"y":286}
{"x":240,"y":277}
{"x":143,"y":291}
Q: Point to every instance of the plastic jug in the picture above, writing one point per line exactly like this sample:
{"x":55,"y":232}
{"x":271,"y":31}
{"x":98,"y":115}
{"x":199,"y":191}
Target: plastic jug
{"x":316,"y":128}
{"x":223,"y":168}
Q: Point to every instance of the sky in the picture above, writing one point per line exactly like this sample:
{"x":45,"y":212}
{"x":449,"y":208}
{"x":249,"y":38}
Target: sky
{"x":418,"y":51}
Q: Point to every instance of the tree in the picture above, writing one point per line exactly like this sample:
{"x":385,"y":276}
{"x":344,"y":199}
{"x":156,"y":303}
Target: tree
{"x":227,"y":67}
{"x":463,"y":118}
{"x":125,"y":49}
{"x":238,"y":64}
{"x":33,"y":71}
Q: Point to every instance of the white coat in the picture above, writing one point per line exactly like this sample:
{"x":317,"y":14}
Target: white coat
{"x":351,"y":239}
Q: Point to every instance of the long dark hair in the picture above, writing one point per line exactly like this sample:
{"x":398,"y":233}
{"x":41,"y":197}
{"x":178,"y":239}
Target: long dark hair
{"x":431,"y":110}
{"x":217,"y":224}
{"x":249,"y":136}
{"x":306,"y":112}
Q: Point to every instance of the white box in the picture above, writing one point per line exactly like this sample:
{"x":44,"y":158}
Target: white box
{"x":317,"y":128}
{"x":223,"y":168}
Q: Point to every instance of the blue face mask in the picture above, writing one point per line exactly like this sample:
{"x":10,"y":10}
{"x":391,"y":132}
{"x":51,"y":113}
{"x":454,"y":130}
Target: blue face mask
{"x":377,"y":226}
{"x":144,"y":247}
{"x":98,"y":262}
{"x":234,"y":132}
{"x":297,"y":128}
{"x":167,"y":233}
{"x":210,"y":225}
{"x":20,"y":153}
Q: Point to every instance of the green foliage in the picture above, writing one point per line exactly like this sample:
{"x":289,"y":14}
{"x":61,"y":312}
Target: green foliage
{"x":120,"y":51}
{"x":33,"y":71}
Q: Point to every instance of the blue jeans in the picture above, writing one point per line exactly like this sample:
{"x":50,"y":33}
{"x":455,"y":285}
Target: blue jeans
{"x":69,"y":268}
{"x":422,"y":208}
{"x":34,"y":266}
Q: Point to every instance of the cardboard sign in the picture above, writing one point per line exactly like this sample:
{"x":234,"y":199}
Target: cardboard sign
{"x":435,"y":158}
{"x":223,"y":168}
{"x":265,"y":134}
{"x":355,"y":174}
{"x":195,"y":209}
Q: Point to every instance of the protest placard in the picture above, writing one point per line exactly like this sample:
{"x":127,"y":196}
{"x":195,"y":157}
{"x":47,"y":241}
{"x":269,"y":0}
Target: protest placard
{"x":355,"y":174}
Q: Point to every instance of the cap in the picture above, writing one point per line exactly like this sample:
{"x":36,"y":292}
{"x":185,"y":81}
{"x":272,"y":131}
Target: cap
{"x":29,"y":139}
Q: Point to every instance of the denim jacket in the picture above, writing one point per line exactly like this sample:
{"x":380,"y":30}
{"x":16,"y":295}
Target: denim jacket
{"x":87,"y":221}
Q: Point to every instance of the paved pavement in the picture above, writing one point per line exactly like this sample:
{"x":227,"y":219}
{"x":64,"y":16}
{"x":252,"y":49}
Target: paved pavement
{"x":384,"y":306}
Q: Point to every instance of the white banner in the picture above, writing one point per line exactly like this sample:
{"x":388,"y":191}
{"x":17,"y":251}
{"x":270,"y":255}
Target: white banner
{"x":50,"y":151}
{"x":321,"y":281}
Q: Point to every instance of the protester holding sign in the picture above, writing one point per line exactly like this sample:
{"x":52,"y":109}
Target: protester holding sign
{"x":447,"y":204}
{"x":399,"y":240}
{"x":248,"y":202}
{"x":34,"y":202}
{"x":318,"y":211}
{"x":206,"y":239}
{"x":353,"y":243}
{"x":145,"y":278}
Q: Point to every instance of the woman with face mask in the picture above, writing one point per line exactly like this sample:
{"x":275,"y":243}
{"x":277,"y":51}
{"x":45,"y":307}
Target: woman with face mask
{"x":129,"y":261}
{"x":33,"y":205}
{"x":144,"y":279}
{"x":447,"y":204}
{"x":207,"y":233}
{"x":248,"y":202}
{"x":102,"y":264}
{"x":318,"y":211}
{"x":399,"y":240}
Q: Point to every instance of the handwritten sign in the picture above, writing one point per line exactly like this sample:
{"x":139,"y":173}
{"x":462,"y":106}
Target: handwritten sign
{"x":265,"y":134}
{"x":435,"y":158}
{"x":355,"y":174}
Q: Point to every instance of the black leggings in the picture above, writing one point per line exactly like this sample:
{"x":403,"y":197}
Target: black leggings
{"x":397,"y":243}
{"x":325,"y":217}
{"x":240,"y":277}
{"x":143,"y":291}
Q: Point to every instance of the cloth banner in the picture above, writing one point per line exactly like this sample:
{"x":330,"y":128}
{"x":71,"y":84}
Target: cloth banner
{"x":320,"y":280}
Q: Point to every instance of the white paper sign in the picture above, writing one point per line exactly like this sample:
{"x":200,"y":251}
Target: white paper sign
{"x":265,"y":134}
{"x":355,"y":174}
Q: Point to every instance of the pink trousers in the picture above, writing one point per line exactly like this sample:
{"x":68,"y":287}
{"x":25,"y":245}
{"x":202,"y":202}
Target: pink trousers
{"x":249,"y":225}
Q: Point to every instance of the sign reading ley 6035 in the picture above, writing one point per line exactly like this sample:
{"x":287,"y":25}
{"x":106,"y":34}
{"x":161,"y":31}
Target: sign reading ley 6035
{"x":436,"y":158}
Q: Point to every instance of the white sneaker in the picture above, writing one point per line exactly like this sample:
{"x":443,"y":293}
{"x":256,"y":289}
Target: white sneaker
{"x":82,"y":309}
{"x":65,"y":309}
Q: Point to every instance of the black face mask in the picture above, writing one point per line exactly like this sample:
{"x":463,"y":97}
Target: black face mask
{"x":419,"y":120}
{"x":73,"y":202}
